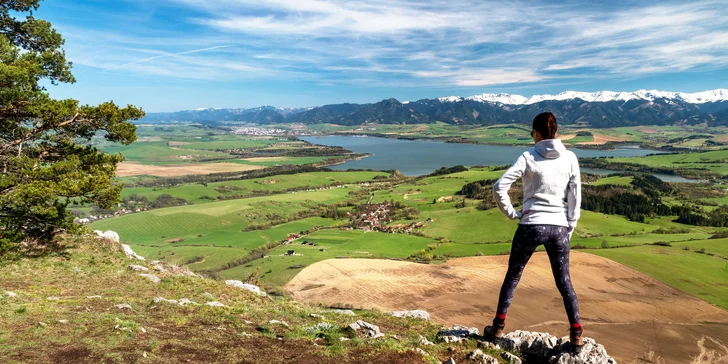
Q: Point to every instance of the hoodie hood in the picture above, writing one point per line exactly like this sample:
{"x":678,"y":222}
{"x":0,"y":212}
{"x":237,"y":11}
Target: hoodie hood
{"x":550,"y":148}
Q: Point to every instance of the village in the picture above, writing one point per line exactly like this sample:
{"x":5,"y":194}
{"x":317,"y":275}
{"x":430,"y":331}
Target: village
{"x":375,"y":217}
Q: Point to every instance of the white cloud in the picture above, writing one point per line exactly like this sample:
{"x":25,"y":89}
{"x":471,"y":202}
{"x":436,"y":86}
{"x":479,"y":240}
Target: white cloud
{"x":435,"y":44}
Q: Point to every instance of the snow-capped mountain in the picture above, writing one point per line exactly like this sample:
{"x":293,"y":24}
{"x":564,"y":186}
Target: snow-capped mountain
{"x":597,"y":109}
{"x":717,"y":95}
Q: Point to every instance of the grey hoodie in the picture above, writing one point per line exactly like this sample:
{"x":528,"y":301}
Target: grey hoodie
{"x":551,"y":186}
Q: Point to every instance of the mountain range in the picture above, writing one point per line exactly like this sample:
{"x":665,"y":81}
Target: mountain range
{"x":596,"y":109}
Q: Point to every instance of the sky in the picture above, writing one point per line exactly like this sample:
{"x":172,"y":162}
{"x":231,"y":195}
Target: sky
{"x":168,"y":55}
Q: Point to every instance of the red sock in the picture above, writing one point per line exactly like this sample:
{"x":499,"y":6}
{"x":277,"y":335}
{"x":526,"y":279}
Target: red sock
{"x":576,"y":326}
{"x":501,"y":317}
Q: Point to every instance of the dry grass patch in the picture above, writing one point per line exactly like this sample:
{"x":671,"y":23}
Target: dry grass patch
{"x":125,"y":169}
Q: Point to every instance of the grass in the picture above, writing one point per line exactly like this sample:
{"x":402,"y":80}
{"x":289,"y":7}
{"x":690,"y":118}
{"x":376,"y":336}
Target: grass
{"x":699,"y":275}
{"x":712,"y":160}
{"x":226,"y":219}
{"x":83,"y":323}
{"x":616,"y":180}
{"x":194,"y":193}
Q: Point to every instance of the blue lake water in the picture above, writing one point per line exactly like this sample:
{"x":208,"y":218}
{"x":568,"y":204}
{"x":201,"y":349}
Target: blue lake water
{"x":419,"y":157}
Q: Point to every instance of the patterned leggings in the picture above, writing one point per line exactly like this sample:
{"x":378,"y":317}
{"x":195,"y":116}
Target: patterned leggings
{"x":556,"y":241}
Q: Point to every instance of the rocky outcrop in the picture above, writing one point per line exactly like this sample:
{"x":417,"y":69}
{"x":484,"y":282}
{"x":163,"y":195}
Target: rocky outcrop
{"x":367,"y":329}
{"x":109,"y":235}
{"x":250,"y":287}
{"x":420,"y":314}
{"x":536,"y":347}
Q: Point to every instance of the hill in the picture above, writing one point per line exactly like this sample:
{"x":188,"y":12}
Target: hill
{"x":90,"y":303}
{"x":599,"y":109}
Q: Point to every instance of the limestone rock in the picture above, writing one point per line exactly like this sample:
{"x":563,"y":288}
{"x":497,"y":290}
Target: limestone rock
{"x":421,"y":352}
{"x":457,"y":334}
{"x":185,"y":302}
{"x":421,"y":314}
{"x":63,"y":321}
{"x":123,"y":306}
{"x":529,"y":343}
{"x":424,"y":341}
{"x":162,"y":299}
{"x":278,"y":322}
{"x":11,"y":294}
{"x":591,"y":353}
{"x":109,"y":235}
{"x":130,"y":253}
{"x":510,"y":358}
{"x":208,"y":296}
{"x":52,"y":298}
{"x":94,"y":297}
{"x":215,"y":304}
{"x":250,"y":287}
{"x":343,"y":312}
{"x":366,"y":328}
{"x":478,"y":356}
{"x":151,"y":277}
{"x":137,"y":268}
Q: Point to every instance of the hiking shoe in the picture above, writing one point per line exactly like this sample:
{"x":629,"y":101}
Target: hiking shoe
{"x":577,"y":343}
{"x":495,"y":331}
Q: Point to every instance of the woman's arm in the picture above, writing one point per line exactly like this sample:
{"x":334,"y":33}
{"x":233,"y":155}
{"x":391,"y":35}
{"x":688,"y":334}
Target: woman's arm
{"x":501,"y":187}
{"x":573,"y":195}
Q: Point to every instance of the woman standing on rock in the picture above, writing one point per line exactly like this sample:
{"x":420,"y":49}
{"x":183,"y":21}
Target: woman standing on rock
{"x":551,"y":208}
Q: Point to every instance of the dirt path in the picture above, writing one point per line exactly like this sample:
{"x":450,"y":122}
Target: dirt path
{"x":125,"y":169}
{"x":633,"y":315}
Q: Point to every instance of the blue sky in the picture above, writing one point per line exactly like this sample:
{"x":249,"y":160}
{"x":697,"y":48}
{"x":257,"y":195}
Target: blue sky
{"x":167,"y":55}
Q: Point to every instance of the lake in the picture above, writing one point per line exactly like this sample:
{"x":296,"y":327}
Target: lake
{"x":419,"y":157}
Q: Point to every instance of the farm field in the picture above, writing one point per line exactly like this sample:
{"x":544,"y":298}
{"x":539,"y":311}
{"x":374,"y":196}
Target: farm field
{"x":714,"y":161}
{"x":614,"y":299}
{"x":177,"y":150}
{"x":219,"y":223}
{"x":199,"y":193}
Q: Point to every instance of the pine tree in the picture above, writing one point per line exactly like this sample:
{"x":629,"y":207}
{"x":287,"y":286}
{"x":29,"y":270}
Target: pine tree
{"x":46,"y":160}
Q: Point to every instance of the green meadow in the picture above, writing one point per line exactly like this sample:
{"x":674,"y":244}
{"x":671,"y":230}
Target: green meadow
{"x":218,"y":223}
{"x":199,"y":193}
{"x":697,"y":274}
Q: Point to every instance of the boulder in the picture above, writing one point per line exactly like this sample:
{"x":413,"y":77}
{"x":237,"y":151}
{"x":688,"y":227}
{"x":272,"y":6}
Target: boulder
{"x":542,"y":347}
{"x":109,"y":235}
{"x":420,"y":314}
{"x":250,"y":287}
{"x":130,"y":253}
{"x":366,"y":328}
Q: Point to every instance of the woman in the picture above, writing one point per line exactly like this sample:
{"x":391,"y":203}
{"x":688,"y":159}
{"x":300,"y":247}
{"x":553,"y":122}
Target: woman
{"x":551,"y":201}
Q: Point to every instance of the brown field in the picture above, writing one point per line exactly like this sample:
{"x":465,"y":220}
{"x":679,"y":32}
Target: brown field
{"x":722,"y":138}
{"x":125,"y":169}
{"x":635,"y":316}
{"x":567,"y":136}
{"x":600,"y":139}
{"x":647,"y":130}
